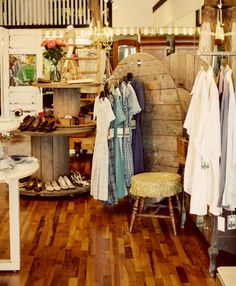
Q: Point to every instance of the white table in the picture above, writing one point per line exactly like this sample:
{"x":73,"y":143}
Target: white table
{"x":11,"y":177}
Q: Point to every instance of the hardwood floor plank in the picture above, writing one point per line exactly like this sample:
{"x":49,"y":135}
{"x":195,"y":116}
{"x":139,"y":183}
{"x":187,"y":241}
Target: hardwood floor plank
{"x":80,"y":242}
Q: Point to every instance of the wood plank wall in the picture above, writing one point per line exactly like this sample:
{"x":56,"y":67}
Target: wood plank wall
{"x":162,"y":118}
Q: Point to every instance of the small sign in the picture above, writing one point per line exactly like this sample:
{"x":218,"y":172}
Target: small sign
{"x":221,"y":223}
{"x":231,"y":222}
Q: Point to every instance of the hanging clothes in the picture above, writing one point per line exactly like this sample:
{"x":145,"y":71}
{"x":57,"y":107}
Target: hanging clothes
{"x":121,"y":190}
{"x":137,"y":139}
{"x":223,"y":87}
{"x":229,"y":193}
{"x":201,"y":178}
{"x":126,"y":139}
{"x":99,"y":177}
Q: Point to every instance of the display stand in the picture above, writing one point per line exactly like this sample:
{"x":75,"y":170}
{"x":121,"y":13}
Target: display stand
{"x":52,"y":149}
{"x":11,"y":176}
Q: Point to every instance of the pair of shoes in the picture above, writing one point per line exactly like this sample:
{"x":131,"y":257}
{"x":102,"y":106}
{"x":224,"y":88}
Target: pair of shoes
{"x":50,"y":126}
{"x":35,"y":124}
{"x":39,"y":186}
{"x":48,"y":186}
{"x":27,"y":121}
{"x":65,"y":183}
{"x":78,"y":179}
{"x":31,"y":184}
{"x":52,"y":186}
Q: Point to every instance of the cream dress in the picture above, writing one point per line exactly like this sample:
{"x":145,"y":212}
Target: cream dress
{"x":103,"y":115}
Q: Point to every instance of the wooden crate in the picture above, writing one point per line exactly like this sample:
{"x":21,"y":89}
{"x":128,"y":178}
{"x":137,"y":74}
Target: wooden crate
{"x":182,"y":148}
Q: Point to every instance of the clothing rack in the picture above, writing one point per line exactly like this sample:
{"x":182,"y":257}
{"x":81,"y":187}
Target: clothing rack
{"x":216,"y":53}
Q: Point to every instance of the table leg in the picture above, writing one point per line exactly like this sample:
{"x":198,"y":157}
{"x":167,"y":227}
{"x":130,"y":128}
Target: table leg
{"x":14,"y":262}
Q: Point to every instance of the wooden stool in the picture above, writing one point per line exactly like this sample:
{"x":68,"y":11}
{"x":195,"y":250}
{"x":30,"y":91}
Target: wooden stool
{"x":154,"y":185}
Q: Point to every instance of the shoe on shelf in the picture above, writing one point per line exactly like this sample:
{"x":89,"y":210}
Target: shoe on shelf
{"x":48,"y":186}
{"x":35,"y":123}
{"x":26,"y":123}
{"x":55,"y":186}
{"x":78,"y":179}
{"x":39,"y":186}
{"x":32,"y":183}
{"x":62,"y":183}
{"x":50,"y":127}
{"x":68,"y":182}
{"x":42,"y":126}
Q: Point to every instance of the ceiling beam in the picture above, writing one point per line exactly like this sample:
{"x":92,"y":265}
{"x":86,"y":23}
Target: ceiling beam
{"x":158,"y":5}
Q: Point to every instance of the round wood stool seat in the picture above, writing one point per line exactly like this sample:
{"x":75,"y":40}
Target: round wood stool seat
{"x":155,"y":185}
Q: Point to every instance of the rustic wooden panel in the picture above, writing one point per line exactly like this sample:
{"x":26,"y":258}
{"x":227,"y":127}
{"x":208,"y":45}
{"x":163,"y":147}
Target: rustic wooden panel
{"x":165,"y":96}
{"x":61,"y":165}
{"x":184,"y":67}
{"x":173,"y":67}
{"x":181,"y":71}
{"x":148,"y":95}
{"x":190,"y":71}
{"x":167,"y":112}
{"x":165,"y":158}
{"x":163,"y":115}
{"x":36,"y":152}
{"x":165,"y":143}
{"x":163,"y":81}
{"x":184,"y":99}
{"x":167,"y":127}
{"x":66,"y":102}
{"x":47,"y":158}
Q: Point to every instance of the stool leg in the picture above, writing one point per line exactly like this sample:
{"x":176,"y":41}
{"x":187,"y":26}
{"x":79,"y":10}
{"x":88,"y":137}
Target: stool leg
{"x":172,"y":216}
{"x":178,"y":203}
{"x":141,"y":206}
{"x":134,"y":212}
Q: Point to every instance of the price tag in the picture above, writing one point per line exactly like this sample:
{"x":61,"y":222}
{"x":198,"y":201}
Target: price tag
{"x":111,"y":133}
{"x":231,"y":222}
{"x":221,"y":223}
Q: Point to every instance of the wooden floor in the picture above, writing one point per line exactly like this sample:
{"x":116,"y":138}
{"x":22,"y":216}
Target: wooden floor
{"x":78,"y":241}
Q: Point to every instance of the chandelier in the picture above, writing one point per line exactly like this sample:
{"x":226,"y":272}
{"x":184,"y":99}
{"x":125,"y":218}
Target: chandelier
{"x":103,"y":35}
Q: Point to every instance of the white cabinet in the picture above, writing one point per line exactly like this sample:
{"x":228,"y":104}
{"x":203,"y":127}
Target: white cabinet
{"x":21,"y":67}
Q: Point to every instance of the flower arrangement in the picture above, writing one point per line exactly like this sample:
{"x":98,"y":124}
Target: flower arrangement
{"x":53,"y":50}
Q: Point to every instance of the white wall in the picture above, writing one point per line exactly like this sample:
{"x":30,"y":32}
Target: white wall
{"x":133,"y":13}
{"x":177,"y":13}
{"x":138,"y":13}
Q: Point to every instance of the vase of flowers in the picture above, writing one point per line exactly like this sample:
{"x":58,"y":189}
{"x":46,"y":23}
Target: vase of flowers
{"x":54,"y":52}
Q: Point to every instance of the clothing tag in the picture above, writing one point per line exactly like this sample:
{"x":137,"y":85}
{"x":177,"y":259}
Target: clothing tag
{"x":133,"y":124}
{"x":221,"y":223}
{"x":121,"y":132}
{"x":111,"y":133}
{"x":231,"y":222}
{"x":126,"y":131}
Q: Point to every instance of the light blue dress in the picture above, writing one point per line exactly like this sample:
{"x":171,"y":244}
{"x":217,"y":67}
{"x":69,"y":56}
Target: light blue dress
{"x":119,"y":169}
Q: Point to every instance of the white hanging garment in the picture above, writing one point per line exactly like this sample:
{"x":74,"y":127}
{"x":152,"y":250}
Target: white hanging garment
{"x":99,"y":178}
{"x":195,"y":115}
{"x":201,"y":177}
{"x":229,"y":195}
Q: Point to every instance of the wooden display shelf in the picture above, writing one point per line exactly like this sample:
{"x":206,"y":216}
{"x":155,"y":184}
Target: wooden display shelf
{"x":82,"y":130}
{"x":87,"y":58}
{"x":66,"y":85}
{"x":87,"y":99}
{"x":61,"y":193}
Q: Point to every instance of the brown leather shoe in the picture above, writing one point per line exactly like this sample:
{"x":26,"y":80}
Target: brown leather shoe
{"x":25,"y":124}
{"x":34,"y":125}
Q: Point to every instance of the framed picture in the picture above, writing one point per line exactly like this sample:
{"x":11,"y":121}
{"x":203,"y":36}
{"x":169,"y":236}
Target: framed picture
{"x":22,"y":69}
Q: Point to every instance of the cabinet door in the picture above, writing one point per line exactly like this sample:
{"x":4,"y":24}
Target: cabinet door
{"x":25,"y":66}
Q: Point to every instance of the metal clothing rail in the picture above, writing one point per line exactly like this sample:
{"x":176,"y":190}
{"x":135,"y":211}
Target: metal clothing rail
{"x":216,"y":53}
